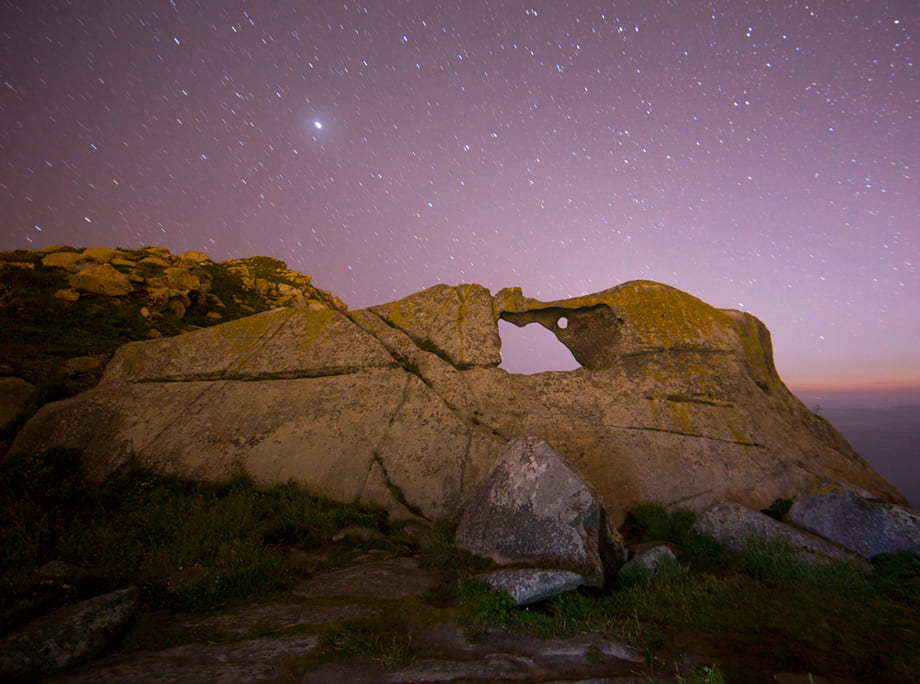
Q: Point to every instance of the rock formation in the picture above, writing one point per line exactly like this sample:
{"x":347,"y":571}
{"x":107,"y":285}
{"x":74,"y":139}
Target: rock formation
{"x":403,"y":404}
{"x":163,"y":283}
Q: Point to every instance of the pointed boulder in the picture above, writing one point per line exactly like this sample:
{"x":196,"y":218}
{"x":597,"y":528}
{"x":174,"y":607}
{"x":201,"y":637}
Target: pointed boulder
{"x":534,"y":510}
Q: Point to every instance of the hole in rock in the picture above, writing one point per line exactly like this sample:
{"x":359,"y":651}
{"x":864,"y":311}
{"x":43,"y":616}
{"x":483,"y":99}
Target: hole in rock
{"x":533,"y":349}
{"x":563,"y":322}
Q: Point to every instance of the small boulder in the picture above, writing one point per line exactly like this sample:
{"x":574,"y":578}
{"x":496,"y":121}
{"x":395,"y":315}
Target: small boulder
{"x":83,"y":365}
{"x":526,"y":586}
{"x":103,"y":280}
{"x":100,"y":255}
{"x":16,"y":396}
{"x":197,"y":257}
{"x":67,"y":294}
{"x":181,"y":279}
{"x":533,"y":509}
{"x":647,"y":561}
{"x":158,"y":251}
{"x":160,"y":299}
{"x":154,"y":261}
{"x":70,"y":261}
{"x":67,"y":635}
{"x":851,"y":518}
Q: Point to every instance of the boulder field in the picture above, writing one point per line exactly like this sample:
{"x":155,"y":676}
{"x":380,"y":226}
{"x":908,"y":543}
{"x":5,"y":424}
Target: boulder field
{"x":403,"y":404}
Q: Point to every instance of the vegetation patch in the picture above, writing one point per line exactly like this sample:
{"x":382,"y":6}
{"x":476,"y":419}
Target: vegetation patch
{"x":430,"y":345}
{"x":137,"y":528}
{"x":711,"y":616}
{"x":756,"y":610}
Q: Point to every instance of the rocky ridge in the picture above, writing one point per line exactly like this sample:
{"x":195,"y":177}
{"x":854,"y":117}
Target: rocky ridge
{"x":64,"y":311}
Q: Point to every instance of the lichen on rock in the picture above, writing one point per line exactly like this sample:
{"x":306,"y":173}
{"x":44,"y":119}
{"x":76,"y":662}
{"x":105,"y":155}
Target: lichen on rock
{"x":677,"y":402}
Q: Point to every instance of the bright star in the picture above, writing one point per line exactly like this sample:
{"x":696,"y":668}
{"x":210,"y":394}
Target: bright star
{"x":317,"y":124}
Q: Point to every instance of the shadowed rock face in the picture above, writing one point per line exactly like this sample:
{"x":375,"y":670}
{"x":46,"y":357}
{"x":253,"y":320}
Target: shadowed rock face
{"x":403,"y":404}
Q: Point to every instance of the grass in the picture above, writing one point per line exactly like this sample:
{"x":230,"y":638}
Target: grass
{"x":758,"y":610}
{"x":136,"y":528}
{"x":733,"y":616}
{"x":365,"y":640}
{"x":431,"y":346}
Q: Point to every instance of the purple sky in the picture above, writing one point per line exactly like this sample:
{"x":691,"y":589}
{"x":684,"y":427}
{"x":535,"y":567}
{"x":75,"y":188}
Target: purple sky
{"x":759,"y":155}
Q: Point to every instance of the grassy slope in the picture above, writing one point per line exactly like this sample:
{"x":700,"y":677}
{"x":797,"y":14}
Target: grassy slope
{"x":761,"y":611}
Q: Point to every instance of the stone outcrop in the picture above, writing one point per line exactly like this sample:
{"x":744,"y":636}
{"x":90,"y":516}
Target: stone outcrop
{"x":278,"y":344}
{"x":457,"y":322}
{"x":533,"y":510}
{"x":66,"y":636}
{"x":403,"y":404}
{"x":856,"y":520}
{"x":175,"y":284}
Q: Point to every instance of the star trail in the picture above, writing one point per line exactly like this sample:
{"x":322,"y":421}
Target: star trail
{"x":759,"y":155}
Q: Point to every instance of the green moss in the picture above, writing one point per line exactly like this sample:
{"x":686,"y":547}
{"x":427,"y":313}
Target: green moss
{"x":431,"y":346}
{"x":413,"y":368}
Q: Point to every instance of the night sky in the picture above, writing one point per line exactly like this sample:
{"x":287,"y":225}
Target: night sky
{"x":759,"y":155}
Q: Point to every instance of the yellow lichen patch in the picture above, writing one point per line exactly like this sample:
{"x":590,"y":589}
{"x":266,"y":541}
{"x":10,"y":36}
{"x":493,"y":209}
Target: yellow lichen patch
{"x":739,"y":436}
{"x":825,"y":487}
{"x":676,"y":416}
{"x":659,"y":317}
{"x":758,"y":350}
{"x":682,"y":413}
{"x":664,"y":318}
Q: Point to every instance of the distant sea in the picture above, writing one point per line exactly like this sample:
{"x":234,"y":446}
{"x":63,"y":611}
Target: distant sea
{"x":883,"y":426}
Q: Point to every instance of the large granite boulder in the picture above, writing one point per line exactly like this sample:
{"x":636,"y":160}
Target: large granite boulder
{"x":404,"y":405}
{"x":69,"y":261}
{"x":279,"y":344}
{"x":533,"y":509}
{"x":855,"y":520}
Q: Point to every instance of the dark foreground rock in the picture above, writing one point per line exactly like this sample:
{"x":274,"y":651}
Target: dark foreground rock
{"x":529,"y":585}
{"x":284,"y":639}
{"x":66,"y":636}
